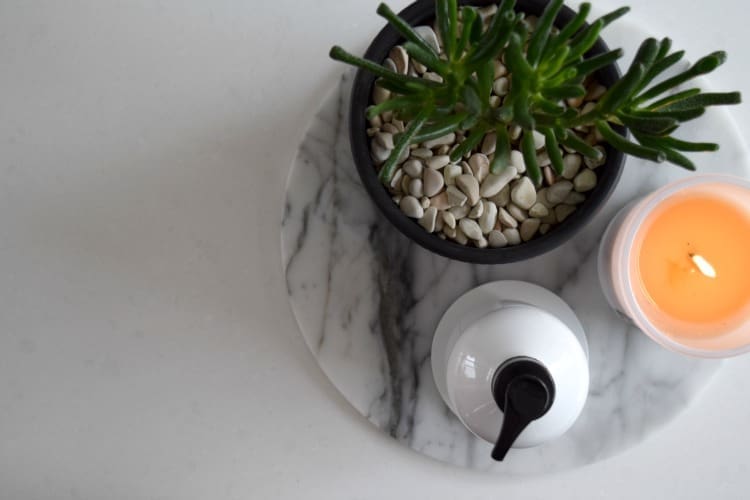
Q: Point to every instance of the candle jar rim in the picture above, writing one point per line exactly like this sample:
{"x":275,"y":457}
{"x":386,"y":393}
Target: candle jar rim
{"x":641,"y":210}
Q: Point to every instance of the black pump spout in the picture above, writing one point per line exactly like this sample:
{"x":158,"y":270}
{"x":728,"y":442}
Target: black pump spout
{"x":524,"y":390}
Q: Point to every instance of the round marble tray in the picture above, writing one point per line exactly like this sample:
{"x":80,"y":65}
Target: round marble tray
{"x":367,"y":302}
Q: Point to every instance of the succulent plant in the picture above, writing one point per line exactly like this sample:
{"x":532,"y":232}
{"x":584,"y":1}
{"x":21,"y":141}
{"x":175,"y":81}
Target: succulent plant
{"x":547,"y":66}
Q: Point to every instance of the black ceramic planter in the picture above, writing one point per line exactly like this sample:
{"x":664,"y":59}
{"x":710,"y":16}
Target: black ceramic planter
{"x":422,"y":12}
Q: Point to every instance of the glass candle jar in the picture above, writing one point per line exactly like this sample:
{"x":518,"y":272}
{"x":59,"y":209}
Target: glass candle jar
{"x":677,"y":263}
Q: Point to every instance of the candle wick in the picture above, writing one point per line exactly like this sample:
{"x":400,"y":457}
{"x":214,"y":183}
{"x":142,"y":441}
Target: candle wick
{"x":703,"y":265}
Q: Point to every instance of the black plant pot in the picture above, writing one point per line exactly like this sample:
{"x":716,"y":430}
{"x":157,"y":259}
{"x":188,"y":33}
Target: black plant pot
{"x":420,"y":13}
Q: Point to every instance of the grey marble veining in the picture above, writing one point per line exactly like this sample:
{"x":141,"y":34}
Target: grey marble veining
{"x":367,"y":301}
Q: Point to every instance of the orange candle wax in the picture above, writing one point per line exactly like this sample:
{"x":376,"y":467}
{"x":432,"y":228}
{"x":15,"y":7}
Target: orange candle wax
{"x":677,"y":263}
{"x":694,"y":262}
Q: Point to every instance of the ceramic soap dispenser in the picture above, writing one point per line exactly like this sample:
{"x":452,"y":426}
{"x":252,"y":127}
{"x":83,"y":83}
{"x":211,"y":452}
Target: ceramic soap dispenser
{"x":510,"y":359}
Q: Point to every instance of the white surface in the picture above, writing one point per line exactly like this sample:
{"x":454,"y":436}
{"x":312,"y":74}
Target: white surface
{"x":147,"y":348}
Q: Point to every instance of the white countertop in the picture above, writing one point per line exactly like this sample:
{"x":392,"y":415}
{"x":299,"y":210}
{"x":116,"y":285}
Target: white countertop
{"x":146,"y":348}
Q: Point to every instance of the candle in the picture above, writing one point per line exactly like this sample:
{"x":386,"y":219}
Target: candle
{"x":677,"y":263}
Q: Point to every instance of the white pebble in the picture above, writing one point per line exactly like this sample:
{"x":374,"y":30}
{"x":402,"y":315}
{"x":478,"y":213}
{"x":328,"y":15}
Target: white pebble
{"x":574,"y":198}
{"x":523,"y":193}
{"x":429,"y":36}
{"x":538,"y":210}
{"x":384,"y":139}
{"x":470,"y":187}
{"x":470,"y":228}
{"x":505,"y":218}
{"x":529,"y":227}
{"x":571,"y":165}
{"x":538,"y":139}
{"x":434,"y":77}
{"x":461,"y":238}
{"x":480,"y":166}
{"x":398,"y":176}
{"x":500,"y":69}
{"x":449,"y":219}
{"x":502,"y":198}
{"x":450,"y":232}
{"x":438,"y":162}
{"x":512,"y":236}
{"x":517,"y":213}
{"x":459,"y":212}
{"x":557,"y":192}
{"x":500,"y":87}
{"x":450,"y":173}
{"x":481,"y":242}
{"x":425,"y":202}
{"x":455,"y":197}
{"x":489,"y":143}
{"x":428,"y":219}
{"x":423,"y":153}
{"x":497,"y":239}
{"x":379,"y":153}
{"x":415,"y":187}
{"x":379,"y":94}
{"x":466,"y":169}
{"x":544,"y":229}
{"x":592,"y":163}
{"x":594,"y":92}
{"x":411,"y":207}
{"x":516,"y":159}
{"x":413,"y":168}
{"x":440,"y":141}
{"x":400,"y":58}
{"x":493,"y":183}
{"x":562,"y":212}
{"x":440,"y":201}
{"x":390,"y":128}
{"x":405,"y":180}
{"x":585,"y":181}
{"x":432,"y":182}
{"x":541,"y":197}
{"x":515,"y":132}
{"x":489,"y":216}
{"x":477,"y":210}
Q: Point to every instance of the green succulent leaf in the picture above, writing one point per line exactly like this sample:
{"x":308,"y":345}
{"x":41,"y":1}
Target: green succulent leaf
{"x":403,"y":141}
{"x":550,"y":142}
{"x":469,"y":143}
{"x":571,"y":28}
{"x":574,"y":142}
{"x":540,"y":36}
{"x":440,"y":128}
{"x":502,"y":149}
{"x":470,"y":27}
{"x":701,"y":67}
{"x":628,"y":147}
{"x":704,"y":100}
{"x":546,"y":72}
{"x":588,"y":66}
{"x":403,"y":27}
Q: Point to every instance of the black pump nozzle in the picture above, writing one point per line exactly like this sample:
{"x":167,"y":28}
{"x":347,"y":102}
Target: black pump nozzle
{"x":524,"y":390}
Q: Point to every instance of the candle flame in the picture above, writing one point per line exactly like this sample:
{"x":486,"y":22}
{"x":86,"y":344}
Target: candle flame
{"x":703,"y":265}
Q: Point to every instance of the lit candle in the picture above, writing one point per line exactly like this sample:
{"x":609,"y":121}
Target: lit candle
{"x":677,"y":263}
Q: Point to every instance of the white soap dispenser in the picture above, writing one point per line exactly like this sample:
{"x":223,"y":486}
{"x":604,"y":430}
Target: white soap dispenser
{"x":510,"y":359}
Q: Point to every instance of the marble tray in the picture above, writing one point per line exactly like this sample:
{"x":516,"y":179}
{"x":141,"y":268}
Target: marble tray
{"x":367,"y":302}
